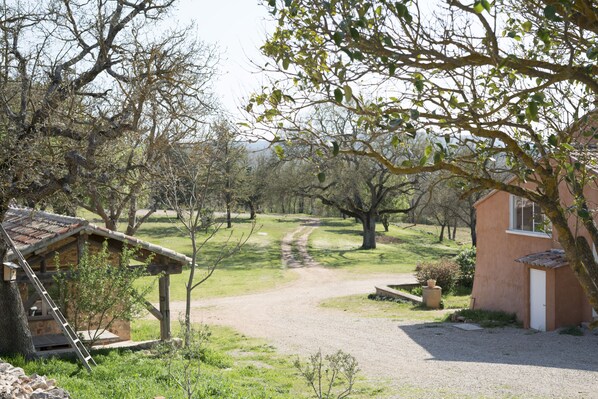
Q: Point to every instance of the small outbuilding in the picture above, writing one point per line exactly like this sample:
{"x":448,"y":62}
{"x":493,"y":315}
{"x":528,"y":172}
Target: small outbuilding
{"x":42,"y":236}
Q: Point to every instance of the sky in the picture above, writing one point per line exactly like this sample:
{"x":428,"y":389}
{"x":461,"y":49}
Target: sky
{"x":239,"y":28}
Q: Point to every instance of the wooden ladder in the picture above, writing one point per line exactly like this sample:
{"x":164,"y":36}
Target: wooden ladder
{"x":66,"y":328}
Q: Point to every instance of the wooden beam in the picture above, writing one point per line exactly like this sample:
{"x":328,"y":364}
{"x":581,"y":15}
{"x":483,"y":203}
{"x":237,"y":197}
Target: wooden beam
{"x":168,"y":268}
{"x":164,"y":288}
{"x":45,"y":278}
{"x":152,"y":309}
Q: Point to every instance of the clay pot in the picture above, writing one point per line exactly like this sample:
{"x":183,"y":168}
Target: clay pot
{"x":431,"y":283}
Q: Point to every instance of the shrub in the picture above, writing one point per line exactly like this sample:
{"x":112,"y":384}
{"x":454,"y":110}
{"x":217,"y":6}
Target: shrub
{"x":466,"y":261}
{"x":330,"y":376}
{"x":445,"y":272}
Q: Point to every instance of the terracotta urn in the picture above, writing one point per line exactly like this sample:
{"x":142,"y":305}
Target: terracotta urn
{"x":431,"y":283}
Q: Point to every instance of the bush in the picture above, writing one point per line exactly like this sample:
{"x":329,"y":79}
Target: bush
{"x":445,"y":272}
{"x":466,"y":261}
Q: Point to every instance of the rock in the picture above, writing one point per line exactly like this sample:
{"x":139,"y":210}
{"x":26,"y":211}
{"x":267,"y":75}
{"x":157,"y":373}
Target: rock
{"x":15,"y":384}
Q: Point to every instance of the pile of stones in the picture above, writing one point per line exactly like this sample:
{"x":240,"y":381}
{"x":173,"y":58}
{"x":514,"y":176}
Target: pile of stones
{"x":15,"y":384}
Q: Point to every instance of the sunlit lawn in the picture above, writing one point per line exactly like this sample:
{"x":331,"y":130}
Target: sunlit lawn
{"x":233,"y":366}
{"x":256,"y":267}
{"x":362,"y":306}
{"x":336,"y":244}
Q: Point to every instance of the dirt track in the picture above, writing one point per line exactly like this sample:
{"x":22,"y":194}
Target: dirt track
{"x":419,"y":360}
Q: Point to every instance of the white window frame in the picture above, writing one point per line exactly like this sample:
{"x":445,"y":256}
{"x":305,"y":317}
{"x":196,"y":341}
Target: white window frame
{"x":513,"y":230}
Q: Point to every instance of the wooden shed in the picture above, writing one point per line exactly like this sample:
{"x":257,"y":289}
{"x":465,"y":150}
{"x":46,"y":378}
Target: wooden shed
{"x":43,"y":236}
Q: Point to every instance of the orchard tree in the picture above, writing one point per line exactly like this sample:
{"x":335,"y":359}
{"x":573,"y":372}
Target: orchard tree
{"x":165,"y":111}
{"x":231,"y":157}
{"x":65,"y":71}
{"x":363,"y":189}
{"x":515,"y":81}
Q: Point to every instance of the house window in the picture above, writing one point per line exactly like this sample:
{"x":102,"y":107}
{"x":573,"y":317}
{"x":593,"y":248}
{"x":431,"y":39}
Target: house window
{"x":527,"y":216}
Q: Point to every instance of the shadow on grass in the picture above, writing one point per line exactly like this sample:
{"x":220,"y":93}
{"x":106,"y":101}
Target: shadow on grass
{"x":338,"y":223}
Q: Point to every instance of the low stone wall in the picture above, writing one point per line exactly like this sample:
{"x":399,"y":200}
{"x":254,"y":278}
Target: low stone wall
{"x":393,"y":293}
{"x":15,"y":384}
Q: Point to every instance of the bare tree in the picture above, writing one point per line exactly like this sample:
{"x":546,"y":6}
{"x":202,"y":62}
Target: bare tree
{"x":65,"y":72}
{"x":189,"y":172}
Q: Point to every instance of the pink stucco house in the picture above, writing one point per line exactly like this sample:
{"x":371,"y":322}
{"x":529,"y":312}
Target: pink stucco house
{"x":520,"y":267}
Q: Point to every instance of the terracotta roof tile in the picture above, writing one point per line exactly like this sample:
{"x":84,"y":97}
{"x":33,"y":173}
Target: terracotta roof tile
{"x":550,"y":259}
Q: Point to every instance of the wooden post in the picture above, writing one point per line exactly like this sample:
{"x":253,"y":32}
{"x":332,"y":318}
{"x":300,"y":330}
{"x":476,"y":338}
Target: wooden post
{"x":164,"y":288}
{"x":81,"y":240}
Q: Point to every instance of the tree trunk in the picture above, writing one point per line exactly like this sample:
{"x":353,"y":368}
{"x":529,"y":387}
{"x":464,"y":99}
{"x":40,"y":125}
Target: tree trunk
{"x":441,"y":237}
{"x":229,"y":223}
{"x":132,"y":216}
{"x":252,"y":212}
{"x":455,"y":231}
{"x":15,"y":336}
{"x":580,"y":257}
{"x":369,"y":231}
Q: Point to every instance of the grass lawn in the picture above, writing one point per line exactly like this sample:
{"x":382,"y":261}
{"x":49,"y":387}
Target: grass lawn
{"x":233,"y":366}
{"x":336,"y":244}
{"x":256,"y":267}
{"x":365,"y":307}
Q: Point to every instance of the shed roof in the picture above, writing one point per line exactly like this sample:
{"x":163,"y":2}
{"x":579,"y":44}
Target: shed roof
{"x":32,"y":230}
{"x":551,"y":259}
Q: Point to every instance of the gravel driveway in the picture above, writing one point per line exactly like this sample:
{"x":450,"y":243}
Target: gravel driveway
{"x":417,"y":360}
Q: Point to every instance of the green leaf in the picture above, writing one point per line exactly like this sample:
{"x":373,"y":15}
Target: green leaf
{"x":279,"y":151}
{"x":552,"y":140}
{"x":403,"y":12}
{"x":348,"y":93}
{"x":419,"y":84}
{"x":414,"y":114}
{"x":395,"y":141}
{"x":550,"y":13}
{"x":486,"y":4}
{"x":338,"y":95}
{"x":392,"y":68}
{"x":428,"y":150}
{"x":583,"y":213}
{"x":275,"y":97}
{"x":438,"y":157}
{"x":335,"y":148}
{"x":453,"y":102}
{"x":354,"y":33}
{"x":285,"y":63}
{"x":338,"y":37}
{"x":531,"y":111}
{"x":527,"y":26}
{"x":321,"y":177}
{"x":478,"y":7}
{"x":592,"y":53}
